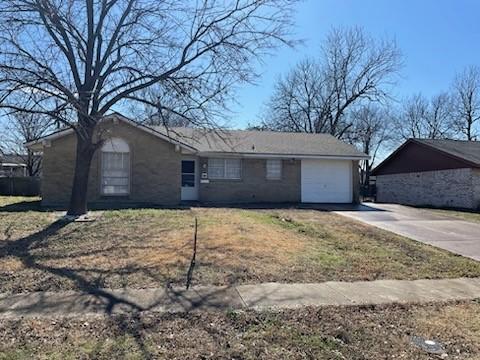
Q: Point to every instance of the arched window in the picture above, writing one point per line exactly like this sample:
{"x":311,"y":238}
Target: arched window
{"x":115,"y":167}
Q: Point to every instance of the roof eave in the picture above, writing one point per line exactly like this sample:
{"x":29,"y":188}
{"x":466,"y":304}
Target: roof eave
{"x":40,"y":143}
{"x":152,"y":131}
{"x":12,"y":164}
{"x":389,"y":157}
{"x":281,"y":155}
{"x":447,"y":153}
{"x":375,"y":171}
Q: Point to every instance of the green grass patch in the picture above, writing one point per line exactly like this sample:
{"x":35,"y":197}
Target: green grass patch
{"x":148,"y":248}
{"x":342,"y":249}
{"x":467,"y":215}
{"x":355,"y":332}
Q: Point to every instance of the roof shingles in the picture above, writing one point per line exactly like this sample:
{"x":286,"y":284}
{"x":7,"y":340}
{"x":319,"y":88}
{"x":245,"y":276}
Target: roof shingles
{"x":466,"y":150}
{"x":263,"y":142}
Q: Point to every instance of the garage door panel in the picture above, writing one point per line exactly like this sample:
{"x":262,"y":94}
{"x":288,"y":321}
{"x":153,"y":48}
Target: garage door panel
{"x":326,"y":181}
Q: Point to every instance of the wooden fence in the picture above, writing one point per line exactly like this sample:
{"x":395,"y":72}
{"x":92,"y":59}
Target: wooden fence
{"x":20,"y":186}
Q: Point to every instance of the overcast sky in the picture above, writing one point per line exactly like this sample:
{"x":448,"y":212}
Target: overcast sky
{"x":437,"y":37}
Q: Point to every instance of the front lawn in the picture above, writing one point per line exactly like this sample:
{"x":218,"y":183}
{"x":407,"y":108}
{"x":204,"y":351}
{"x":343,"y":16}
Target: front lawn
{"x":152,"y":247}
{"x":473,"y":216}
{"x":380,"y":332}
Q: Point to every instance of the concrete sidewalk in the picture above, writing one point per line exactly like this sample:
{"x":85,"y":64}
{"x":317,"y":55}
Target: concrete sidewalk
{"x":259,"y":296}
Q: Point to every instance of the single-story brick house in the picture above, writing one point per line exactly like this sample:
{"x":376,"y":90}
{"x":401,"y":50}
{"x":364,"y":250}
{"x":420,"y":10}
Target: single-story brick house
{"x":439,"y":173}
{"x":150,"y":164}
{"x":12,"y":165}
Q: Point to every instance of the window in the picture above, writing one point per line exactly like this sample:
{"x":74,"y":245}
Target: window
{"x":115,"y":167}
{"x":274,"y":169}
{"x":188,"y":173}
{"x":224,"y":168}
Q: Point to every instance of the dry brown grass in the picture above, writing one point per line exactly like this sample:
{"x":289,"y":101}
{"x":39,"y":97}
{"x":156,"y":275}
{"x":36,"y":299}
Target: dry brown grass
{"x":139,"y":248}
{"x":472,"y":216}
{"x":381,"y":332}
{"x":242,"y":249}
{"x":343,"y":249}
{"x":152,"y":247}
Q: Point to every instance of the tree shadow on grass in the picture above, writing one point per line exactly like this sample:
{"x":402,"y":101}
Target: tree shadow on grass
{"x":21,"y":249}
{"x":34,"y":205}
{"x":110,"y":302}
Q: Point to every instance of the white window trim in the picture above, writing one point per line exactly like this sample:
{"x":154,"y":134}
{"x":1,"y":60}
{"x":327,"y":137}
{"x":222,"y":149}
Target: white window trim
{"x":224,"y":177}
{"x":115,"y":146}
{"x":269,"y":176}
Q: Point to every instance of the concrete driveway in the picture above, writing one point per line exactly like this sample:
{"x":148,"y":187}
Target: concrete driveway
{"x":458,"y":236}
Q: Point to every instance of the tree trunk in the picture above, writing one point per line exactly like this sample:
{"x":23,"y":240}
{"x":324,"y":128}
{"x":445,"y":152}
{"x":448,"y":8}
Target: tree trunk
{"x":32,"y":168}
{"x":367,"y":174}
{"x":84,"y":155}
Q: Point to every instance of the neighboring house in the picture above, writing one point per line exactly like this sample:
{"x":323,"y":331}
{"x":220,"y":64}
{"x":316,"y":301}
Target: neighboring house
{"x":148,"y":164}
{"x":440,"y":173}
{"x":12,"y":165}
{"x":14,"y":179}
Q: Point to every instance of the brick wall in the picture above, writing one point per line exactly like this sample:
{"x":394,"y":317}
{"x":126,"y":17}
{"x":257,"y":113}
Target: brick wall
{"x":442,"y":188}
{"x":254,"y":187}
{"x":476,"y":187}
{"x":156,"y":174}
{"x":154,"y":165}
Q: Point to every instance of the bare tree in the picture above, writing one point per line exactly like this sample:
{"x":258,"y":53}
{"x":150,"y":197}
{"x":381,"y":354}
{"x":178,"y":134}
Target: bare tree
{"x":372,"y":130}
{"x":411,"y":117}
{"x":23,"y":128}
{"x":300,"y":101}
{"x":440,"y":116}
{"x":3,"y":139}
{"x":419,"y":117}
{"x":168,"y":108}
{"x":316,"y":96}
{"x":466,"y":89}
{"x":77,"y":60}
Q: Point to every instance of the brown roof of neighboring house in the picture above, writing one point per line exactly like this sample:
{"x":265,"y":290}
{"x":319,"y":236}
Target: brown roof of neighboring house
{"x":12,"y":159}
{"x":430,"y":154}
{"x":462,"y":149}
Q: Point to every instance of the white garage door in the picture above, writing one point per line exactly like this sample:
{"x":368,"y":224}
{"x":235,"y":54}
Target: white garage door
{"x":327,"y":181}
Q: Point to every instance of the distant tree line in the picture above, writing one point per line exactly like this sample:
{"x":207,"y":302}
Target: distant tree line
{"x":91,"y":58}
{"x":348,"y":92}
